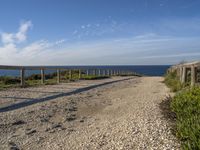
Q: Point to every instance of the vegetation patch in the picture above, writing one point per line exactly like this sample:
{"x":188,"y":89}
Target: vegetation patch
{"x":186,"y":105}
{"x":172,"y":81}
{"x":93,"y":77}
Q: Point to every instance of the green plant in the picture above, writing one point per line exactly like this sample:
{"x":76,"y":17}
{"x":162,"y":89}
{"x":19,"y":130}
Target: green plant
{"x":9,"y":80}
{"x":186,"y":105}
{"x":172,"y":81}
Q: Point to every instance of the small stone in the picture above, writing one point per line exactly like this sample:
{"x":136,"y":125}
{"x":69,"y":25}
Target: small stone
{"x":71,"y":117}
{"x":81,"y":120}
{"x":31,"y":132}
{"x":13,"y":146}
{"x":56,"y":126}
{"x":18,"y":122}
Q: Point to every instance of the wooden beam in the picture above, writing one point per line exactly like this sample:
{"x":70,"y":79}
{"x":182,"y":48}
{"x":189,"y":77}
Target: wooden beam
{"x":193,"y":76}
{"x":99,"y":72}
{"x":79,"y":73}
{"x":183,"y":76}
{"x":180,"y":73}
{"x":87,"y":72}
{"x":22,"y":76}
{"x":58,"y":75}
{"x":42,"y":76}
{"x":70,"y":74}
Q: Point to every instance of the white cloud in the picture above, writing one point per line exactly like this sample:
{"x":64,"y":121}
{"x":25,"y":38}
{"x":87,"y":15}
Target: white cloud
{"x":88,"y":25}
{"x":122,"y":51}
{"x":7,"y":38}
{"x":173,"y":55}
{"x":82,"y":27}
{"x":60,"y":41}
{"x":18,"y":37}
{"x":149,"y":48}
{"x":21,"y":34}
{"x":75,"y":32}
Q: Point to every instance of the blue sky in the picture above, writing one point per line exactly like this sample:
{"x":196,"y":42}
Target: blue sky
{"x":99,"y":32}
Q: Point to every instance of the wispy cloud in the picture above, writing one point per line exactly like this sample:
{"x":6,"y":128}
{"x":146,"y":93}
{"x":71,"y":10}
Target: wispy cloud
{"x":148,"y":48}
{"x":18,"y":37}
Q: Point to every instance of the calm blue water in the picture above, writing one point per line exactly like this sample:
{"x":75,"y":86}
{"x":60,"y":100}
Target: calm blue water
{"x":158,"y":70}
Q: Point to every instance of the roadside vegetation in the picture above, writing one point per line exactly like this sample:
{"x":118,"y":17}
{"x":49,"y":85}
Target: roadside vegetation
{"x":51,"y":78}
{"x":172,"y":81}
{"x":186,"y":105}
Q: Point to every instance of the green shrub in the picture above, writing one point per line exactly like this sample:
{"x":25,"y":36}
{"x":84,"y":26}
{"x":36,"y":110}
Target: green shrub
{"x":172,"y":81}
{"x":93,"y":77}
{"x":186,"y":105}
{"x":9,"y":80}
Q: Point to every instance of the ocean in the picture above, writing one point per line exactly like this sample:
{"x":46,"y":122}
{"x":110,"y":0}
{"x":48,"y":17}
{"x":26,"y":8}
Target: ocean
{"x":148,"y":70}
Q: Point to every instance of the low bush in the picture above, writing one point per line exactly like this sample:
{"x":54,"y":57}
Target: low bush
{"x":9,"y":80}
{"x":172,"y":81}
{"x":93,"y":77}
{"x":186,"y":105}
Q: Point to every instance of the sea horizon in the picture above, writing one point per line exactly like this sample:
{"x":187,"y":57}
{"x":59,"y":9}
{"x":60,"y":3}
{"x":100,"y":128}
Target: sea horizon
{"x":148,"y":70}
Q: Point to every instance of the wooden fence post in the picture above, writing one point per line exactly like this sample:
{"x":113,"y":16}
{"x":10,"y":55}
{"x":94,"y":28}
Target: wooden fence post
{"x":42,"y":76}
{"x":183,"y":75}
{"x":180,"y":73}
{"x":193,"y":75}
{"x":79,"y":75}
{"x":58,"y":75}
{"x":87,"y":72}
{"x":22,"y":77}
{"x":99,"y":74}
{"x":70,"y":74}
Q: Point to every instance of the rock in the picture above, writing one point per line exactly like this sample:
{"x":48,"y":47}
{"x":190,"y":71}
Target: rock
{"x":71,"y":117}
{"x":30,"y":132}
{"x":81,"y":120}
{"x":44,"y":119}
{"x":18,"y":122}
{"x":39,"y":139}
{"x":13,"y":146}
{"x":56,"y":126}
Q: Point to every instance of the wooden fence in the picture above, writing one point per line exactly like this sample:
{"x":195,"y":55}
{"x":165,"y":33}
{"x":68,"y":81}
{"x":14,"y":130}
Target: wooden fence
{"x":187,"y":72}
{"x":81,"y":71}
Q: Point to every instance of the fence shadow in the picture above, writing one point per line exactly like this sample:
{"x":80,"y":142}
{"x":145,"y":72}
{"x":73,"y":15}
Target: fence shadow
{"x":167,"y":113}
{"x":39,"y":100}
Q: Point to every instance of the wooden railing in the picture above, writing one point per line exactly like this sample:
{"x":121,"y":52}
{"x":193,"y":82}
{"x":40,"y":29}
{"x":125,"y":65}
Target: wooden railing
{"x":187,"y":72}
{"x":87,"y":72}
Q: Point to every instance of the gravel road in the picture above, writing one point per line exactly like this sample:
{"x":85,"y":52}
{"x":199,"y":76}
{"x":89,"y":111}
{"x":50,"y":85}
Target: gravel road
{"x":125,"y":115}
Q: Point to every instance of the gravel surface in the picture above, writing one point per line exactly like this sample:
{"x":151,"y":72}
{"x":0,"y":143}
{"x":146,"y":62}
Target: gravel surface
{"x":123,"y":115}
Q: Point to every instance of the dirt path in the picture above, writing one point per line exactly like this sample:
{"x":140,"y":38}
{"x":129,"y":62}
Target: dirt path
{"x":123,"y":115}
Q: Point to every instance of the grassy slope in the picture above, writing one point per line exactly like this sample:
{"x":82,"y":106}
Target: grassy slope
{"x":34,"y":80}
{"x":186,"y":105}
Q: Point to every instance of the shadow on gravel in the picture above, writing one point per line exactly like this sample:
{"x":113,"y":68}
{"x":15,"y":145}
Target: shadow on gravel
{"x":168,"y":115}
{"x":39,"y":100}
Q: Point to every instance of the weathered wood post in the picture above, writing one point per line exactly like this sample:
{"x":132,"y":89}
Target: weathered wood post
{"x":79,"y":75}
{"x":22,"y":76}
{"x":193,"y":75}
{"x":108,"y":73}
{"x":87,"y":72}
{"x":183,"y":75}
{"x":42,"y":76}
{"x":58,"y":75}
{"x":70,"y":74}
{"x":180,"y":73}
{"x":99,"y":73}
